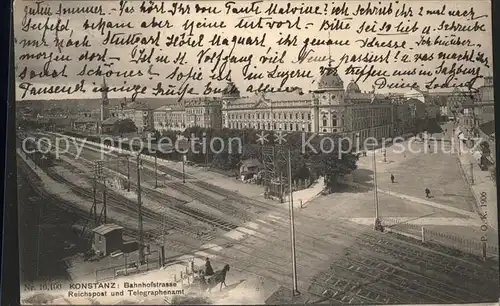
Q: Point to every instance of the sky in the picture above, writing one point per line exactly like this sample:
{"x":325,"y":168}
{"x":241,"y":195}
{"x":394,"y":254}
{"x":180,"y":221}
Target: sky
{"x":312,"y":22}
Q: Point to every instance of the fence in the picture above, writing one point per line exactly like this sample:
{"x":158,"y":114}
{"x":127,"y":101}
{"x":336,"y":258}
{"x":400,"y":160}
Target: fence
{"x":470,"y":246}
{"x":468,"y":180}
{"x":126,"y":268}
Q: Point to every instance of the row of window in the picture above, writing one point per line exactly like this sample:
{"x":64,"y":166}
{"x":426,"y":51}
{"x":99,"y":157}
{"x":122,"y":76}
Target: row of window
{"x":275,"y":126}
{"x":174,"y":115}
{"x":370,"y":112}
{"x":197,"y":111}
{"x":259,"y":116}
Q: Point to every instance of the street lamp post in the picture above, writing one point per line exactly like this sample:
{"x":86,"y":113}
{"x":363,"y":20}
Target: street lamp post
{"x":292,"y":227}
{"x":156,"y":171}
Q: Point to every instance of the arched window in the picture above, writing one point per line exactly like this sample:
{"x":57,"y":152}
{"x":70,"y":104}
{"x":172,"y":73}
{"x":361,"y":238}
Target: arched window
{"x":324,"y":120}
{"x":334,"y":120}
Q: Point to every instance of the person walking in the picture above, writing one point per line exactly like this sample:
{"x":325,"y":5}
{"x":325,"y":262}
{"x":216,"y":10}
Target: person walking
{"x":427,"y":193}
{"x":392,"y":178}
{"x":208,"y":268}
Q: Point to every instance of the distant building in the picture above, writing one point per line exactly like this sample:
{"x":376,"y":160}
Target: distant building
{"x":435,"y":103}
{"x":170,"y":117}
{"x":204,"y":112}
{"x":455,"y":102}
{"x":405,"y":121}
{"x":485,"y":101}
{"x":86,"y":124}
{"x":140,"y":113}
{"x":476,"y":109}
{"x":108,"y":125}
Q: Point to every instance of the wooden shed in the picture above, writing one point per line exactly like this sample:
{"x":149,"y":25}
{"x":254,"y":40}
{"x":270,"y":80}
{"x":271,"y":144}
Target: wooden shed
{"x":107,"y":239}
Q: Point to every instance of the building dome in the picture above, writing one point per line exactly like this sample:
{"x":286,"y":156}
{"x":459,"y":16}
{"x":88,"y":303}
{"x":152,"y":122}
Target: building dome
{"x":330,"y":80}
{"x":230,"y":91}
{"x":353,"y":88}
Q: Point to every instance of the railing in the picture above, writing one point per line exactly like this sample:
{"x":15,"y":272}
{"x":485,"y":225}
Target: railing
{"x":125,"y":269}
{"x":470,"y":246}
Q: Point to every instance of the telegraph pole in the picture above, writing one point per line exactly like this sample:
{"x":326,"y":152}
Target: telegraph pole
{"x":292,"y":226}
{"x":156,"y":171}
{"x":375,"y":189}
{"x":97,"y":175}
{"x":472,"y":173}
{"x":38,"y":241}
{"x":128,"y":174}
{"x":94,"y":205}
{"x":104,"y":202}
{"x":128,"y":169}
{"x":139,"y":210}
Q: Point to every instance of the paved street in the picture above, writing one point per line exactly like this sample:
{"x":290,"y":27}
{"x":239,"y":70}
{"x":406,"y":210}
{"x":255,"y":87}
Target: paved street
{"x":414,"y":172}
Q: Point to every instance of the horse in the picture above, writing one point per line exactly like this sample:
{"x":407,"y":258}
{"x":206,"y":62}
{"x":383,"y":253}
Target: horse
{"x":219,"y":277}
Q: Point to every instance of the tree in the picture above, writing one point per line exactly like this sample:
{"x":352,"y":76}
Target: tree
{"x":330,"y":162}
{"x":124,"y":126}
{"x":239,"y":145}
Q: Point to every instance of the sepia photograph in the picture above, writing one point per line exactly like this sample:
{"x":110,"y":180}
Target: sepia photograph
{"x":255,"y":152}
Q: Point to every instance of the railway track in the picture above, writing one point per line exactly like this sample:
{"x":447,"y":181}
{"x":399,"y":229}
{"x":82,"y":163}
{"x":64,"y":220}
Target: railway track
{"x":172,"y":202}
{"x":175,"y":173}
{"x":472,"y":278}
{"x":194,"y":213}
{"x":217,"y":204}
{"x":231,"y":195}
{"x":33,"y":179}
{"x":179,"y":206}
{"x":431,"y":288}
{"x":129,"y":206}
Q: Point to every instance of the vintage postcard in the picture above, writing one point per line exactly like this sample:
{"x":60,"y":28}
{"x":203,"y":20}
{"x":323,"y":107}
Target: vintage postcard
{"x":265,"y":152}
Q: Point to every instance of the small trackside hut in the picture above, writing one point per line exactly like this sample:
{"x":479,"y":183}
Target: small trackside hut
{"x":107,"y":239}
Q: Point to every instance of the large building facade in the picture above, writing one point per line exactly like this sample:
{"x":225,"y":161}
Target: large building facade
{"x":204,"y":112}
{"x":330,"y":108}
{"x":170,"y":117}
{"x":140,"y":113}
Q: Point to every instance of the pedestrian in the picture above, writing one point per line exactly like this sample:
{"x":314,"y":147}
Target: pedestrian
{"x":392,"y":178}
{"x":427,"y":193}
{"x":208,"y":268}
